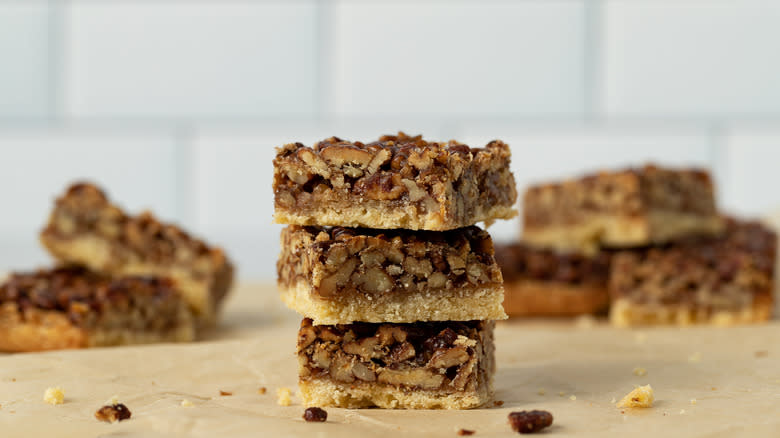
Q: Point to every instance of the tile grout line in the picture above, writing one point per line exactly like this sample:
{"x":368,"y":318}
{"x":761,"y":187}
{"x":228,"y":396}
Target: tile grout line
{"x":56,"y":60}
{"x":593,"y":54}
{"x":324,"y":60}
{"x":718,"y":157}
{"x":185,"y":178}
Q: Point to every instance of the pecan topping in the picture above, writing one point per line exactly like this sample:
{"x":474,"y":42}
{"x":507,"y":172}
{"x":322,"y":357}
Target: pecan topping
{"x":428,"y":355}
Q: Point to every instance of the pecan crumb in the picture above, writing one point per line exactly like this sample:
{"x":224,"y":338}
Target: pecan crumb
{"x":113,"y":413}
{"x":530,"y":421}
{"x":762,"y":353}
{"x":315,"y":415}
{"x":465,"y":432}
{"x":639,"y":371}
{"x":262,"y":390}
{"x":498,"y":403}
{"x":225,"y":393}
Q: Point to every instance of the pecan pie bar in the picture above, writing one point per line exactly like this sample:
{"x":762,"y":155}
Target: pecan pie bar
{"x":543,"y":282}
{"x":71,"y":307}
{"x":340,"y":275}
{"x":395,"y":182}
{"x":728,"y":280}
{"x":425,"y":365}
{"x":86,"y":229}
{"x":634,"y":207}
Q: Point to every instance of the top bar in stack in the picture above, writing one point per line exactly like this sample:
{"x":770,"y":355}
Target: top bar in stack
{"x":634,"y":207}
{"x":86,"y":229}
{"x":393,"y":183}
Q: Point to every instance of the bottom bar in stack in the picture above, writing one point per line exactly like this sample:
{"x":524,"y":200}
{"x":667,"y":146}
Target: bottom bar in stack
{"x":75,"y":308}
{"x":724,"y":281}
{"x":423,"y":365}
{"x":543,"y":282}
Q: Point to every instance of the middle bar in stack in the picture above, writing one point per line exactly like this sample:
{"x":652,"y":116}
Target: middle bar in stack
{"x":397,"y":311}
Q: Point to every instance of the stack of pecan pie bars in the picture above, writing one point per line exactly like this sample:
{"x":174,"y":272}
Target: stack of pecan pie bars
{"x":397,"y":286}
{"x":648,"y":243}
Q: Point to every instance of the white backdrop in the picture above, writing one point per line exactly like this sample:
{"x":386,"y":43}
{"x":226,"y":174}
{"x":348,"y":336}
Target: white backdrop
{"x":175,"y":105}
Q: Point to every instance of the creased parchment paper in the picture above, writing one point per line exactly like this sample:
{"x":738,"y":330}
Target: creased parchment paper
{"x":733,"y":374}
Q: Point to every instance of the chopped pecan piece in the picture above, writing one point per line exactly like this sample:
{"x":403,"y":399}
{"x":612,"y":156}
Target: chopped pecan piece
{"x":315,"y":415}
{"x":113,"y":413}
{"x":530,"y":421}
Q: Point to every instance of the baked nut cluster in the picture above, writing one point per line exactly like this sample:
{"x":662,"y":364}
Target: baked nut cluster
{"x":89,"y":309}
{"x":427,"y":356}
{"x":339,"y":260}
{"x":399,"y":181}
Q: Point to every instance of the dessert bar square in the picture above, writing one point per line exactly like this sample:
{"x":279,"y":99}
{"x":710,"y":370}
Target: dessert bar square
{"x":71,"y":307}
{"x":425,"y":365}
{"x":395,"y":182}
{"x":543,"y":282}
{"x":86,"y":229}
{"x":634,"y":207}
{"x":728,"y":280}
{"x":337,"y":275}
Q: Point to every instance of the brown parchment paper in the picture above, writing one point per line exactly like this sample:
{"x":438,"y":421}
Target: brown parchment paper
{"x":732,"y":373}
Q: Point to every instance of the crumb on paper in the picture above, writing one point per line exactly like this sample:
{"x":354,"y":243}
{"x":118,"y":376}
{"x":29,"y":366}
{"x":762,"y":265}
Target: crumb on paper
{"x":695,"y":357}
{"x":114,"y":400}
{"x":640,"y":338}
{"x":113,"y":413}
{"x":465,"y":432}
{"x":762,"y":353}
{"x":693,"y":401}
{"x":585,"y":321}
{"x":640,"y":397}
{"x":225,"y":393}
{"x":572,"y":397}
{"x":639,"y":371}
{"x":465,"y":341}
{"x":54,"y":396}
{"x":498,"y":403}
{"x":561,"y":394}
{"x":714,"y":388}
{"x":614,"y":400}
{"x":186,"y":403}
{"x":262,"y":390}
{"x":682,"y":411}
{"x":541,"y":391}
{"x":284,"y":396}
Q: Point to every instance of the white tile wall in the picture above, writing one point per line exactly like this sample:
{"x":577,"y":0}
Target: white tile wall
{"x":181,"y":59}
{"x":175,"y":105}
{"x":458,"y":58}
{"x":753,"y":182}
{"x":24,"y":60}
{"x":692,"y":58}
{"x":136,"y":169}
